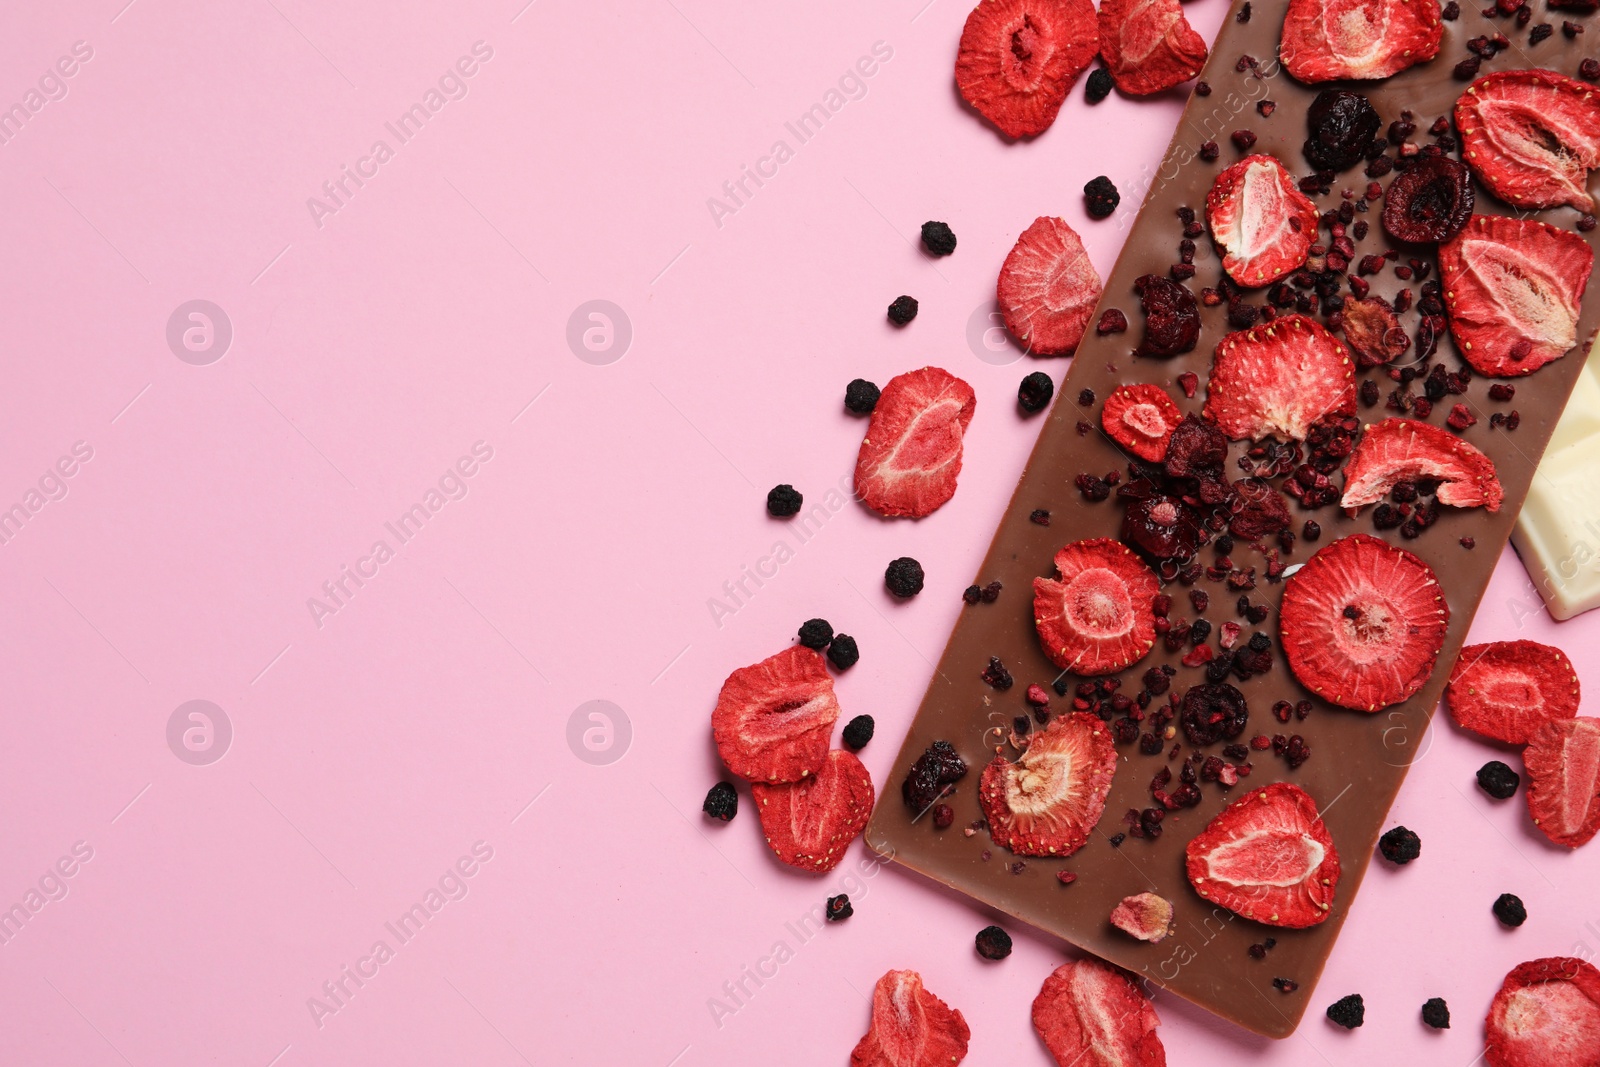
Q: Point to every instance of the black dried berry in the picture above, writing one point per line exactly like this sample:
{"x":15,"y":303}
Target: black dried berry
{"x":1172,"y":319}
{"x":931,"y":776}
{"x":861,"y":396}
{"x":1509,"y":910}
{"x":937,"y":238}
{"x":1436,"y":1013}
{"x":1099,"y":87}
{"x":722,"y":803}
{"x":1035,"y":391}
{"x":1342,"y":125}
{"x":1498,"y":780}
{"x":816,"y":633}
{"x":839,"y":908}
{"x":995,"y":674}
{"x":857,"y":732}
{"x":1101,"y":197}
{"x":972,"y":594}
{"x":1400,"y":845}
{"x":1348,"y":1012}
{"x":783,"y":501}
{"x":993,"y":943}
{"x":903,"y":577}
{"x":903,"y":310}
{"x":991,"y":592}
{"x":843,"y":653}
{"x":1212,"y":712}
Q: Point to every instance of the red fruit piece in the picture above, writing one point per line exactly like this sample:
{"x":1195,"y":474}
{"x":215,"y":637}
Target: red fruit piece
{"x":1091,"y":1014}
{"x":810,"y":823}
{"x":1148,"y":45}
{"x":910,"y":1026}
{"x":1019,"y":58}
{"x":1546,"y":1013}
{"x":1505,"y":690}
{"x":1531,"y":136}
{"x":1402,"y":450}
{"x":1279,"y":379}
{"x":1513,"y":289}
{"x":1563,"y":762}
{"x":1373,"y":332}
{"x":1141,"y":419}
{"x":1362,"y":623}
{"x":1096,"y":618}
{"x":1267,"y":856}
{"x":773,"y":719}
{"x":1361,"y":39}
{"x":1146,"y":916}
{"x":911,"y":455}
{"x":1048,"y":288}
{"x":1261,"y":220}
{"x":1046,"y":803}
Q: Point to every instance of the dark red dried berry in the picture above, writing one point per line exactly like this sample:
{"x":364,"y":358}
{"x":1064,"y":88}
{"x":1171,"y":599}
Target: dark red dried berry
{"x":1212,"y":712}
{"x":1342,"y":126}
{"x":1243,"y":140}
{"x":1209,"y":150}
{"x":1172,"y":320}
{"x":1431,"y":201}
{"x":1111,"y":321}
{"x":1589,"y":70}
{"x":943,"y":816}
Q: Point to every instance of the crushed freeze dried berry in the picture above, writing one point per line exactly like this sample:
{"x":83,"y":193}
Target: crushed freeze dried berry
{"x":858,"y":732}
{"x":1509,"y":910}
{"x":1117,"y":840}
{"x":903,"y":310}
{"x":938,"y":239}
{"x":931,"y":776}
{"x":1498,"y":780}
{"x":1285,"y":985}
{"x":860,"y":396}
{"x":1202,"y":88}
{"x":972,"y":594}
{"x":1035,"y":391}
{"x":722,"y":803}
{"x":1188,"y":381}
{"x":996,"y":675}
{"x":783,"y":500}
{"x":991,"y":592}
{"x":1111,"y":321}
{"x":816,"y":633}
{"x":1212,"y":712}
{"x":1451,"y":11}
{"x":1539,"y":32}
{"x":839,"y":908}
{"x":903,"y":577}
{"x":843,"y":653}
{"x":1066,"y":877}
{"x":1100,"y":85}
{"x":1469,"y":542}
{"x":1342,"y":126}
{"x":1589,"y":70}
{"x":1244,"y":12}
{"x":1436,"y":1013}
{"x":1400,"y":845}
{"x":1101,"y":197}
{"x":1348,"y":1012}
{"x":1085,"y":398}
{"x":943,"y":816}
{"x":1242,"y":139}
{"x":993,"y":943}
{"x":1039,"y":517}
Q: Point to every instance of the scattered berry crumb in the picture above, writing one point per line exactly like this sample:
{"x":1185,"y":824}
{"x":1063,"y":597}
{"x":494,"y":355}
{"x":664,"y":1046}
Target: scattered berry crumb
{"x":1066,"y":877}
{"x":816,"y":633}
{"x":903,"y":310}
{"x":839,"y":908}
{"x":943,"y":816}
{"x":1508,"y":908}
{"x":843,"y":653}
{"x":1035,"y":391}
{"x":938,"y":239}
{"x":1436,"y":1013}
{"x":1039,"y":517}
{"x":722,"y":803}
{"x":783,"y":501}
{"x":1348,"y":1012}
{"x":1285,"y":985}
{"x":860,"y":396}
{"x":1400,"y":845}
{"x":1101,"y":197}
{"x":904,"y":577}
{"x":993,"y":943}
{"x":1498,"y":780}
{"x":858,"y":732}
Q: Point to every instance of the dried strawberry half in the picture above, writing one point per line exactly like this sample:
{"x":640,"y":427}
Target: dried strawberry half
{"x":911,"y":455}
{"x":1547,"y":1012}
{"x":1261,"y":220}
{"x":1048,"y":288}
{"x":1360,"y":39}
{"x":1399,"y":450}
{"x":1532,"y":137}
{"x":1148,"y":45}
{"x":773,"y":719}
{"x":1362,"y":623}
{"x":1019,"y":58}
{"x":1046,"y":803}
{"x":1267,"y":856}
{"x":1505,"y":690}
{"x":1513,"y":290}
{"x":1091,"y":1014}
{"x":810,"y":823}
{"x":1279,"y":379}
{"x":1096,"y":617}
{"x":1141,"y":419}
{"x":910,"y":1026}
{"x":1563,"y":762}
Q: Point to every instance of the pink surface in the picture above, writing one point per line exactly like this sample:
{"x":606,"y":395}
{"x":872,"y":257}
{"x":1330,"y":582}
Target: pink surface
{"x":406,"y":729}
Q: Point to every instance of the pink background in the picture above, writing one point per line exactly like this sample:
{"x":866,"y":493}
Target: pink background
{"x":371,"y":352}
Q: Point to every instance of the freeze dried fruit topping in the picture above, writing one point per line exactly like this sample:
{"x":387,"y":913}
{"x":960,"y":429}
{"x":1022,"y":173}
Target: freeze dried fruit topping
{"x":1563,"y":764}
{"x":1146,"y":916}
{"x":1261,"y":220}
{"x":1506,"y":690}
{"x":1267,"y":857}
{"x":1431,"y":201}
{"x":1171,"y":317}
{"x":1091,"y":1014}
{"x":1342,"y":126}
{"x":911,"y":455}
{"x":1513,"y":289}
{"x":1547,"y":1012}
{"x":810,"y":823}
{"x":1148,"y":45}
{"x":1212,"y":712}
{"x":1396,"y":451}
{"x":1046,"y":803}
{"x":1361,"y":39}
{"x":931,"y":776}
{"x":1531,"y":136}
{"x":1363,"y":622}
{"x":1373,"y":332}
{"x":1095,"y":618}
{"x":1019,"y":58}
{"x":1141,"y":419}
{"x":773,"y":719}
{"x":1048,"y":288}
{"x":910,"y":1026}
{"x":1279,"y":379}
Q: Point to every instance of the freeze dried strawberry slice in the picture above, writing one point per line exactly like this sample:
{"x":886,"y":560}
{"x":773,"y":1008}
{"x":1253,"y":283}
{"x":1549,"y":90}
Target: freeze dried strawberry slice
{"x":911,"y":455}
{"x":810,"y":823}
{"x":1096,"y":617}
{"x":1362,"y":623}
{"x":1279,"y":379}
{"x":1141,"y":419}
{"x":1513,"y":289}
{"x":773,"y":719}
{"x":1091,"y":1014}
{"x":1404,"y":450}
{"x":1148,"y":45}
{"x":910,"y":1026}
{"x":1046,"y":803}
{"x":1145,"y":916}
{"x":1019,"y":58}
{"x":1547,"y":1012}
{"x":1505,"y":690}
{"x":1267,"y":856}
{"x":1563,"y":762}
{"x":1261,"y":220}
{"x":1361,"y":39}
{"x":1048,"y":288}
{"x":1532,"y":137}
